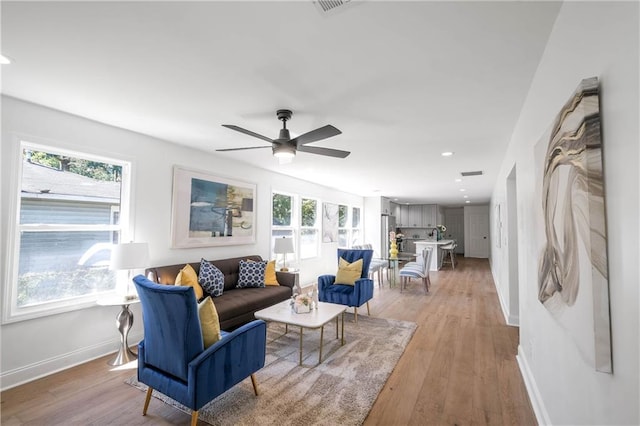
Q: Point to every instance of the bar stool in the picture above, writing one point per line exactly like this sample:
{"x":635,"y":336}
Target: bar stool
{"x":448,"y":250}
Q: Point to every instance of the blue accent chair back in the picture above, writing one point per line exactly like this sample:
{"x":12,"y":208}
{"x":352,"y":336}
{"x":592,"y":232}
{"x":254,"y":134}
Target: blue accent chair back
{"x":349,"y":295}
{"x":172,"y":359}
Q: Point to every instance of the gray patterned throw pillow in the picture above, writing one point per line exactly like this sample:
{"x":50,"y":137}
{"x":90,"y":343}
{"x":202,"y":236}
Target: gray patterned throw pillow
{"x":251,"y":274}
{"x":211,"y":278}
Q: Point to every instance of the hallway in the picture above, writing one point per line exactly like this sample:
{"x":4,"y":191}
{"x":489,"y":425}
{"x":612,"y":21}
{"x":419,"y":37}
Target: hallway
{"x":460,"y":367}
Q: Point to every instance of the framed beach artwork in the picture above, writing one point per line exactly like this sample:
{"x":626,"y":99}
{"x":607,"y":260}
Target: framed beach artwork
{"x":573,"y":282}
{"x":210,"y":210}
{"x":329,"y":223}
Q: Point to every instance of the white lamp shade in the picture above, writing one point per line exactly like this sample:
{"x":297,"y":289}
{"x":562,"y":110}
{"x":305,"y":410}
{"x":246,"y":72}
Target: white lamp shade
{"x":283,"y":245}
{"x":129,"y":256}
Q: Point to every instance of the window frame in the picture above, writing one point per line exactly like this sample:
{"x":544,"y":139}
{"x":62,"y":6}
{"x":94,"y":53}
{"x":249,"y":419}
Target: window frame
{"x":316,"y":227}
{"x":292,"y":227}
{"x":11,"y":312}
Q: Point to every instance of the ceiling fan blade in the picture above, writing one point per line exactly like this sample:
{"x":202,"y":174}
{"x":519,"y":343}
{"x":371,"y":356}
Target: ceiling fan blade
{"x":240,"y":149}
{"x":324,"y":151}
{"x":316,"y":135}
{"x":247,"y":132}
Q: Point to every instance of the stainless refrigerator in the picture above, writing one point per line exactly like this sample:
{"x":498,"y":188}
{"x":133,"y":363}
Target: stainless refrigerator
{"x":388,"y":225}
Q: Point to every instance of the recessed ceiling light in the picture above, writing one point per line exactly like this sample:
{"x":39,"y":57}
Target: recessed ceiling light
{"x":467,"y":201}
{"x":462,"y":189}
{"x":465,"y":196}
{"x":4,"y":60}
{"x":446,"y":154}
{"x":458,"y":180}
{"x":376,"y":190}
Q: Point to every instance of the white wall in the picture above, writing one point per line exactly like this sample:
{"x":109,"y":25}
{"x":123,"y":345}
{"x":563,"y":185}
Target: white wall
{"x":589,"y":39}
{"x":40,"y":346}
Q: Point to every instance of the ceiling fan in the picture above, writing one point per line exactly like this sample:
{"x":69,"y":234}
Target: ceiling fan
{"x":285,"y":148}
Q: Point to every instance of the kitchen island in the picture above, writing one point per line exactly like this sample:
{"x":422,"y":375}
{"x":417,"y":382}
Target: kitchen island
{"x":436,"y":257}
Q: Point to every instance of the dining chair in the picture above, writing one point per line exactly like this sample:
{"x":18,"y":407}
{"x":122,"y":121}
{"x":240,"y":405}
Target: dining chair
{"x":418,"y":271}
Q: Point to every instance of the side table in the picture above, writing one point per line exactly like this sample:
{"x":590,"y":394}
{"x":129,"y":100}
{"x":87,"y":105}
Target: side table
{"x":124,"y":321}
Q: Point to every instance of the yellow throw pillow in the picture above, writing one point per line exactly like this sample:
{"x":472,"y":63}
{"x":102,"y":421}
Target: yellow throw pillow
{"x":270,"y":274}
{"x":188,"y":276}
{"x":348,"y":273}
{"x":209,"y":322}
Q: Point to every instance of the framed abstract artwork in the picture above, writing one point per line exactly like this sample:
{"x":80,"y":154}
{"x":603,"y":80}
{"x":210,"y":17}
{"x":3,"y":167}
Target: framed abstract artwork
{"x":573,"y":283}
{"x":329,"y":223}
{"x":211,"y":210}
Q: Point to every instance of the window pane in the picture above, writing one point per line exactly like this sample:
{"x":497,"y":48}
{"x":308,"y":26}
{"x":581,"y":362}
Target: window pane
{"x":343,"y":238}
{"x":343,"y":211}
{"x":60,"y":265}
{"x":281,"y":209}
{"x":355,"y":238}
{"x":309,"y":212}
{"x":308,"y":243}
{"x":59,"y":190}
{"x":355,"y":217}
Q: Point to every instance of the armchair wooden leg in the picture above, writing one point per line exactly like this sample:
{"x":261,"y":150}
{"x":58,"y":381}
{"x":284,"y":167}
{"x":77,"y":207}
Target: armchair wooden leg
{"x":194,"y":418}
{"x":146,"y":400}
{"x":368,"y":312}
{"x":255,"y":384}
{"x":355,"y":312}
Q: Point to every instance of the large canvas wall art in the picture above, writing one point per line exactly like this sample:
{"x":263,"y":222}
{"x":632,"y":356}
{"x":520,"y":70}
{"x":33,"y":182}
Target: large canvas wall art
{"x":329,"y":223}
{"x":211,"y":211}
{"x":573,"y":272}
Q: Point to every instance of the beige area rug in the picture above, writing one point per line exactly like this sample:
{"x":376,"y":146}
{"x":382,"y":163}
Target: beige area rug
{"x":340,"y":390}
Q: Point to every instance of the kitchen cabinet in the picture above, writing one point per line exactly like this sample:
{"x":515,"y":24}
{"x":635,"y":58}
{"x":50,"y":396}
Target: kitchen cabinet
{"x":403,"y":218}
{"x":439,"y":215}
{"x":385,"y":206}
{"x":429,"y":215}
{"x":415,"y":216}
{"x":395,"y":207}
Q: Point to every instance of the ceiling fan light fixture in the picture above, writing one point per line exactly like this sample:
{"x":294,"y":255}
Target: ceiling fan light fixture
{"x":284,"y":152}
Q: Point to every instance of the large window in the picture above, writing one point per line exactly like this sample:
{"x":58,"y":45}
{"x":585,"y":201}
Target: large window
{"x":356,"y":227}
{"x":282,"y":218}
{"x":343,"y":226}
{"x":69,"y":213}
{"x":309,"y":228}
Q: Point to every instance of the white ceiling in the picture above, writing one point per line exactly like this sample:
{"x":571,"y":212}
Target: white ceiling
{"x":404,"y":81}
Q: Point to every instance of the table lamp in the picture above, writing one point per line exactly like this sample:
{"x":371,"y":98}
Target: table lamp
{"x":283,"y":246}
{"x":129,"y":256}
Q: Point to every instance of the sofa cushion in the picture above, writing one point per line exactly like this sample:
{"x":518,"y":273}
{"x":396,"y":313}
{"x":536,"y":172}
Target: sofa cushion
{"x":237,"y":306}
{"x":188,"y":277}
{"x":211,"y":278}
{"x":270,"y":277}
{"x":251,"y":274}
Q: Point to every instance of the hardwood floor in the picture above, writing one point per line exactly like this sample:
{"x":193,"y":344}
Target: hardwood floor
{"x":458,"y":369}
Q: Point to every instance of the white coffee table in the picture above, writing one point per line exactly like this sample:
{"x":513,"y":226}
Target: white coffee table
{"x":317,"y":318}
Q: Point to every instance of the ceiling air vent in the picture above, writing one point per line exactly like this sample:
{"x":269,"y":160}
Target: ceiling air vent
{"x":327,"y":6}
{"x":476,"y":173}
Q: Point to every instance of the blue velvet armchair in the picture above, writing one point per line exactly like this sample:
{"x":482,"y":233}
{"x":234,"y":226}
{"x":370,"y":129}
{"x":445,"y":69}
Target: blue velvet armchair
{"x":344,"y":294}
{"x":172,"y":358}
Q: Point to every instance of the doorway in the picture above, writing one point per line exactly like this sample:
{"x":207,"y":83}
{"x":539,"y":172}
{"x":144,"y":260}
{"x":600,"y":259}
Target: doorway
{"x":454,"y":221}
{"x":476,"y":231}
{"x":512,"y":248}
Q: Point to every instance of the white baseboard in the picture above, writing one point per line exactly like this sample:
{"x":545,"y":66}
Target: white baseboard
{"x":513,"y":320}
{"x":46,"y":367}
{"x":532,"y":389}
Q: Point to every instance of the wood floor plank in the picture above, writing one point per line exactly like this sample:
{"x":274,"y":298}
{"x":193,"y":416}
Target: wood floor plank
{"x":459,"y":368}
